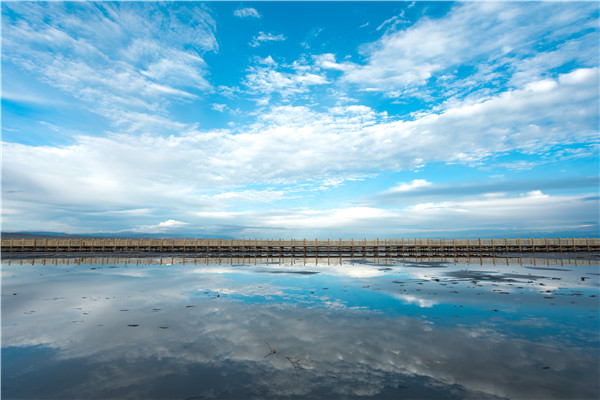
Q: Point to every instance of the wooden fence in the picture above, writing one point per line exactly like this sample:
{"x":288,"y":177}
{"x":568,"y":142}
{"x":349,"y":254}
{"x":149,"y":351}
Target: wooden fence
{"x":302,"y":247}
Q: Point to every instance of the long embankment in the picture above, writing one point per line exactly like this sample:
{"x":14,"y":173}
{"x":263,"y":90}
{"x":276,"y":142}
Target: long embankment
{"x":28,"y":247}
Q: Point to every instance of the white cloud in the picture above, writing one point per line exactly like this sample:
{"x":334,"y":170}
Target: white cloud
{"x":525,"y":212}
{"x":265,"y":38}
{"x":295,"y":145}
{"x":150,"y":159}
{"x":246,"y":12}
{"x":161,"y":227}
{"x":250,"y":196}
{"x":218,"y":107}
{"x":415,"y":184}
{"x":497,"y":38}
{"x":150,"y":67}
{"x":327,"y":61}
{"x":269,"y":80}
{"x":411,"y":299}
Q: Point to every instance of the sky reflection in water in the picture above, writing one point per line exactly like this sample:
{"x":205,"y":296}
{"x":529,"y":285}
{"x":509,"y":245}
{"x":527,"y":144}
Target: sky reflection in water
{"x":417,"y":329}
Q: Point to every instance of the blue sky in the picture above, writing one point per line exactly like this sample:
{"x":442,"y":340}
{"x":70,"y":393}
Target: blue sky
{"x":304,"y":119}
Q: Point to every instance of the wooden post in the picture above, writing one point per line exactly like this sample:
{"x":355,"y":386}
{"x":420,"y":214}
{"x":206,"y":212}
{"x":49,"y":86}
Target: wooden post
{"x":492,"y":245}
{"x":505,"y":245}
{"x":587,"y":242}
{"x":11,"y":244}
{"x":22,"y":244}
{"x":519,"y":244}
{"x":546,"y":243}
{"x":574,"y":247}
{"x":532,"y":240}
{"x":560,"y":245}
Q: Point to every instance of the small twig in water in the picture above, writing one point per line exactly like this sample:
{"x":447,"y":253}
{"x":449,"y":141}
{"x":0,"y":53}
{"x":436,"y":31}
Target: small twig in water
{"x":272,"y":350}
{"x":296,"y":365}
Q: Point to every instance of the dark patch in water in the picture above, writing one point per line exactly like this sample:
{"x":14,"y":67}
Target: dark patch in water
{"x":485,"y":276}
{"x":548,"y":269}
{"x":288,"y":272}
{"x":409,"y":264}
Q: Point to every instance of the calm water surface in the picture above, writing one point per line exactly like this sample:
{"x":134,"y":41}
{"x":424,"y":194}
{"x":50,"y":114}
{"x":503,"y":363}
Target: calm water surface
{"x":360,"y":329}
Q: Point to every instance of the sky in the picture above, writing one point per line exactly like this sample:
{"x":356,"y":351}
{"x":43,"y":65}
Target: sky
{"x":301,"y":119}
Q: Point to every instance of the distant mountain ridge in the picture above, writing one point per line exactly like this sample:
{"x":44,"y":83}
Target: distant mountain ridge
{"x":54,"y":235}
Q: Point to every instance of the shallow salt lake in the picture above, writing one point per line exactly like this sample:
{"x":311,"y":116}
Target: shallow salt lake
{"x":195,"y":329}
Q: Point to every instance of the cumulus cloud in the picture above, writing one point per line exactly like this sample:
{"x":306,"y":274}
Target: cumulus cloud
{"x":295,"y":144}
{"x":246,"y":12}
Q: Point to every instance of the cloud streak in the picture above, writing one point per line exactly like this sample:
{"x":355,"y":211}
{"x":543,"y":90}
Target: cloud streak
{"x":151,"y":66}
{"x":246,"y":12}
{"x":263,"y":38}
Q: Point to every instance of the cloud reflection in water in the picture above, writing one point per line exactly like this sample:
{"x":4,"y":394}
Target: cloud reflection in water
{"x":339,"y":331}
